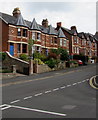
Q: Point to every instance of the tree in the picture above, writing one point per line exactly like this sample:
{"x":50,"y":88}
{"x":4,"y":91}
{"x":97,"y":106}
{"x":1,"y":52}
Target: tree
{"x":63,"y":54}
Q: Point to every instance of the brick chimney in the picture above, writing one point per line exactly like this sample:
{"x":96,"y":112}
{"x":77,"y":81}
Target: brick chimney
{"x":96,"y":33}
{"x":45,"y":23}
{"x":73,"y":28}
{"x":59,"y":24}
{"x":16,"y":12}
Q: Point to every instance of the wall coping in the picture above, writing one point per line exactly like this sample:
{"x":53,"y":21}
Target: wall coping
{"x":16,"y":58}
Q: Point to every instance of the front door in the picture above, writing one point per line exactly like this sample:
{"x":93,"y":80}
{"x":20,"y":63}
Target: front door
{"x":12,"y":49}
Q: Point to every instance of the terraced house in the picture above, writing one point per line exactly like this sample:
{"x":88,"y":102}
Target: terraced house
{"x":80,"y":43}
{"x":16,"y":33}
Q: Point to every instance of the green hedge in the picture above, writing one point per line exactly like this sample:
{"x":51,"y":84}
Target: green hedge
{"x":2,"y":56}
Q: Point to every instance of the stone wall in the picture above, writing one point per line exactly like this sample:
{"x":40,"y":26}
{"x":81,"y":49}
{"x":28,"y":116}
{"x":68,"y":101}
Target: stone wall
{"x":41,"y":68}
{"x":46,"y":68}
{"x":10,"y":61}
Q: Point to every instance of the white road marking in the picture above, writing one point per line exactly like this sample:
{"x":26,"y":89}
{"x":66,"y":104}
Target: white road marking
{"x":37,"y":110}
{"x":2,"y":105}
{"x":74,"y":83}
{"x":27,"y":97}
{"x":6,"y":107}
{"x":38,"y":94}
{"x":14,"y":101}
{"x":48,"y":91}
{"x":87,"y":79}
{"x":62,"y":87}
{"x":83,"y":80}
{"x":68,"y":85}
{"x":79,"y":82}
{"x":55,"y":89}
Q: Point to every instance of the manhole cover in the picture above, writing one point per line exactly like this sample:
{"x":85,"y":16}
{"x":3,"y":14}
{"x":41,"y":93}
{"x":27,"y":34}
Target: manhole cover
{"x":69,"y":107}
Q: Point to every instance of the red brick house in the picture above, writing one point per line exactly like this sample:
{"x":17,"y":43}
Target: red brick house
{"x":80,"y":43}
{"x":16,"y":33}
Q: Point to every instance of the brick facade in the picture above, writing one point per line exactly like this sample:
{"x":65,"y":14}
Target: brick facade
{"x":16,"y":37}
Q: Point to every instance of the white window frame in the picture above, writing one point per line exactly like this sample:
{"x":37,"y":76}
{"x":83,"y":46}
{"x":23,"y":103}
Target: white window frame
{"x":64,"y":43}
{"x":33,"y":35}
{"x":61,"y":41}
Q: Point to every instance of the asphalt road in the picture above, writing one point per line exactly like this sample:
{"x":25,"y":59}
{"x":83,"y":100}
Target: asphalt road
{"x":58,"y":94}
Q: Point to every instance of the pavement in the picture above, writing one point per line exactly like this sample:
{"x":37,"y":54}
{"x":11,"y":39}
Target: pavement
{"x":56,"y":94}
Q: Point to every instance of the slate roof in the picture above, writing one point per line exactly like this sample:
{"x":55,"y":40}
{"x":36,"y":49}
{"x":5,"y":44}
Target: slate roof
{"x":20,"y":21}
{"x":12,"y":20}
{"x":81,"y":35}
{"x":96,"y":36}
{"x":61,"y":34}
{"x":52,"y":31}
{"x":74,"y":32}
{"x":69,"y":31}
{"x":34,"y":25}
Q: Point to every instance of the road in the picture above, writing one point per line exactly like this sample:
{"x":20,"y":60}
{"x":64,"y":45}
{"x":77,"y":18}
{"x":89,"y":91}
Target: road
{"x":58,"y":94}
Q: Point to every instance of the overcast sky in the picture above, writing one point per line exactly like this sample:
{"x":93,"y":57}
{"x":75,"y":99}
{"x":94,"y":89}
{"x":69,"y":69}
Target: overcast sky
{"x":80,"y":14}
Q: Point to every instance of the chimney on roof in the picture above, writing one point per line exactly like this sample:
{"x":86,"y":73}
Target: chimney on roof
{"x":73,"y":28}
{"x":45,"y":23}
{"x":16,"y":12}
{"x":59,"y":24}
{"x":96,"y":33}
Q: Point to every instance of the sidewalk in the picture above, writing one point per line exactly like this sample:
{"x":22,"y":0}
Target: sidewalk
{"x":20,"y":77}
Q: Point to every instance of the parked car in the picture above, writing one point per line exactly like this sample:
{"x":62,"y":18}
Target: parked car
{"x":80,"y":62}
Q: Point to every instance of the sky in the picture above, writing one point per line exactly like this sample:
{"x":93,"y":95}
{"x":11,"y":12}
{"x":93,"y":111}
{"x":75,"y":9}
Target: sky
{"x":79,"y":14}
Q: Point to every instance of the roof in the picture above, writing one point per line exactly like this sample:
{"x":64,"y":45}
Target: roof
{"x":81,"y":35}
{"x":52,"y":31}
{"x":34,"y":25}
{"x":61,"y":34}
{"x":12,"y":20}
{"x":74,"y":31}
{"x":67,"y":30}
{"x":20,"y":21}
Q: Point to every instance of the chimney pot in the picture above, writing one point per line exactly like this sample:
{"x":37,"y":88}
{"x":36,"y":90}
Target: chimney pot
{"x":16,"y":12}
{"x":45,"y":23}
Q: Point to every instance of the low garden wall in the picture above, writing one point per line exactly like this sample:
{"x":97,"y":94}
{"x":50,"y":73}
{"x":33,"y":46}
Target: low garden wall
{"x":45,"y":68}
{"x":20,"y":65}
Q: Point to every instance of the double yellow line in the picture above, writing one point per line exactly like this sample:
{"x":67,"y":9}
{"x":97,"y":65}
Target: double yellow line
{"x":92,"y":81}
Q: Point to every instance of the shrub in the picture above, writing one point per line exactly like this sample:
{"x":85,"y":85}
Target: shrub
{"x":23,"y":57}
{"x":38,"y":60}
{"x":75,"y":62}
{"x":51,"y":63}
{"x":52,"y":55}
{"x":56,"y":51}
{"x":39,"y":56}
{"x":2,"y":56}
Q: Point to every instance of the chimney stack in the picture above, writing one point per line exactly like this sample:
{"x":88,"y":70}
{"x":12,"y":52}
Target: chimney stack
{"x":59,"y":24}
{"x":45,"y":23}
{"x":73,"y":28}
{"x":16,"y":12}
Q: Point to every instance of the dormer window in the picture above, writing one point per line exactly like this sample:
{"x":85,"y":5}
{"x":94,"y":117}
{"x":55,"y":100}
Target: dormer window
{"x":24,"y":32}
{"x":18,"y":32}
